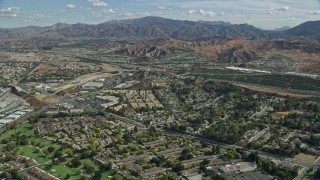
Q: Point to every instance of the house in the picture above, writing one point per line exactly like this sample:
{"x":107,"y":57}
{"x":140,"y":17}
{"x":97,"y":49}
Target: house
{"x":195,"y":177}
{"x":197,"y":160}
{"x":154,"y":143}
{"x":38,"y":174}
{"x":76,"y":111}
{"x":154,"y":171}
{"x":15,"y":165}
{"x":52,"y":112}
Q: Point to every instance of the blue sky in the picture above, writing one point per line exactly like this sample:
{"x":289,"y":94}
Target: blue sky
{"x":266,"y":14}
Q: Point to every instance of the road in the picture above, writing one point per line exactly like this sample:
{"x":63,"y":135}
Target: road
{"x":314,"y":169}
{"x":128,"y":120}
{"x":81,"y":81}
{"x":270,"y":89}
{"x":5,"y":93}
{"x":302,"y":172}
{"x":37,"y":165}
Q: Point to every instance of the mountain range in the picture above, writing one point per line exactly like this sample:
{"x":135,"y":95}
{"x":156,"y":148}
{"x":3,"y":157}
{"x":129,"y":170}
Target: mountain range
{"x":154,"y":37}
{"x":155,"y":28}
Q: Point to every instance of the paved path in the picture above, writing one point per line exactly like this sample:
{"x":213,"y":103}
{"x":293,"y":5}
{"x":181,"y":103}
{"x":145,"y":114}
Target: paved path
{"x":26,"y":169}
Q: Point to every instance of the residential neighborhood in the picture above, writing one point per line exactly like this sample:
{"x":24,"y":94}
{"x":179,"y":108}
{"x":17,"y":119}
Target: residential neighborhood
{"x":159,"y":90}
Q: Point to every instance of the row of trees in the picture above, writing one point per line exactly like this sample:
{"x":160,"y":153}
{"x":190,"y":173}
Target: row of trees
{"x":229,"y":132}
{"x":271,"y":168}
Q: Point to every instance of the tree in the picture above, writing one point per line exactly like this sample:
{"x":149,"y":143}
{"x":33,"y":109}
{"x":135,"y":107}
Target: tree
{"x":5,"y":141}
{"x":135,"y":173}
{"x":178,"y":128}
{"x":10,"y":146}
{"x":36,"y":132}
{"x":316,"y":108}
{"x":89,"y":168}
{"x":127,"y":137}
{"x":215,"y":150}
{"x":185,"y":154}
{"x":97,"y":175}
{"x":167,"y":177}
{"x":58,"y":154}
{"x":209,"y":87}
{"x":135,"y":130}
{"x":83,"y":177}
{"x":253,"y":156}
{"x":109,"y":166}
{"x":314,"y":140}
{"x":14,"y":174}
{"x":232,"y":154}
{"x":125,"y":167}
{"x":68,"y":176}
{"x":205,"y":162}
{"x":178,"y":167}
{"x":50,"y":149}
{"x":6,"y":175}
{"x":75,"y":162}
{"x":204,"y":144}
{"x":159,"y":161}
{"x":317,"y":174}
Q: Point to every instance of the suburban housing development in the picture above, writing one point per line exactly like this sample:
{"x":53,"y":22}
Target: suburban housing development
{"x":158,"y":98}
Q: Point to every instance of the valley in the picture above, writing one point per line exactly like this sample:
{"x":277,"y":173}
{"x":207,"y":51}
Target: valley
{"x":155,"y":98}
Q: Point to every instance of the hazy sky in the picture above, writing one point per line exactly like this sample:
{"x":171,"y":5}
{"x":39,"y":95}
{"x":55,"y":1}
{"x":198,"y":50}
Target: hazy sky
{"x":266,"y":14}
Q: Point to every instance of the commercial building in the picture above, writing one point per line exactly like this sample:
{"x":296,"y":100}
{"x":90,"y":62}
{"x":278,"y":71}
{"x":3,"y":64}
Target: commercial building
{"x":239,"y":167}
{"x":92,"y":85}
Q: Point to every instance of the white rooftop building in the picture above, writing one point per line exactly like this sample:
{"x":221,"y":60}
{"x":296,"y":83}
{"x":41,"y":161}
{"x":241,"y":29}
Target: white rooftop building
{"x":239,"y":167}
{"x":92,"y":85}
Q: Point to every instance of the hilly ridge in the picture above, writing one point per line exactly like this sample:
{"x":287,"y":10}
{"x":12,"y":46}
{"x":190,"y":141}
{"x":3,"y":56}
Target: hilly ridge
{"x":155,"y":37}
{"x":156,"y":27}
{"x":311,"y":28}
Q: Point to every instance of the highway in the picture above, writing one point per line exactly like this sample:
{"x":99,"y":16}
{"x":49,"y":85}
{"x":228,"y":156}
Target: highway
{"x":270,"y":88}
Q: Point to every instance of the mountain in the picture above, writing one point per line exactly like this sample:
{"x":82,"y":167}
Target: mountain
{"x":155,"y":28}
{"x":151,"y":38}
{"x":17,"y":32}
{"x":147,"y":27}
{"x":311,"y":28}
{"x":284,"y":28}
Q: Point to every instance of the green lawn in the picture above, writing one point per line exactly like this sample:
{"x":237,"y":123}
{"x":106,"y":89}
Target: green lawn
{"x":89,"y":162}
{"x":110,"y":174}
{"x":62,"y":170}
{"x":29,"y":150}
{"x":106,"y":174}
{"x":32,"y":152}
{"x":43,"y":142}
{"x":25,"y":129}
